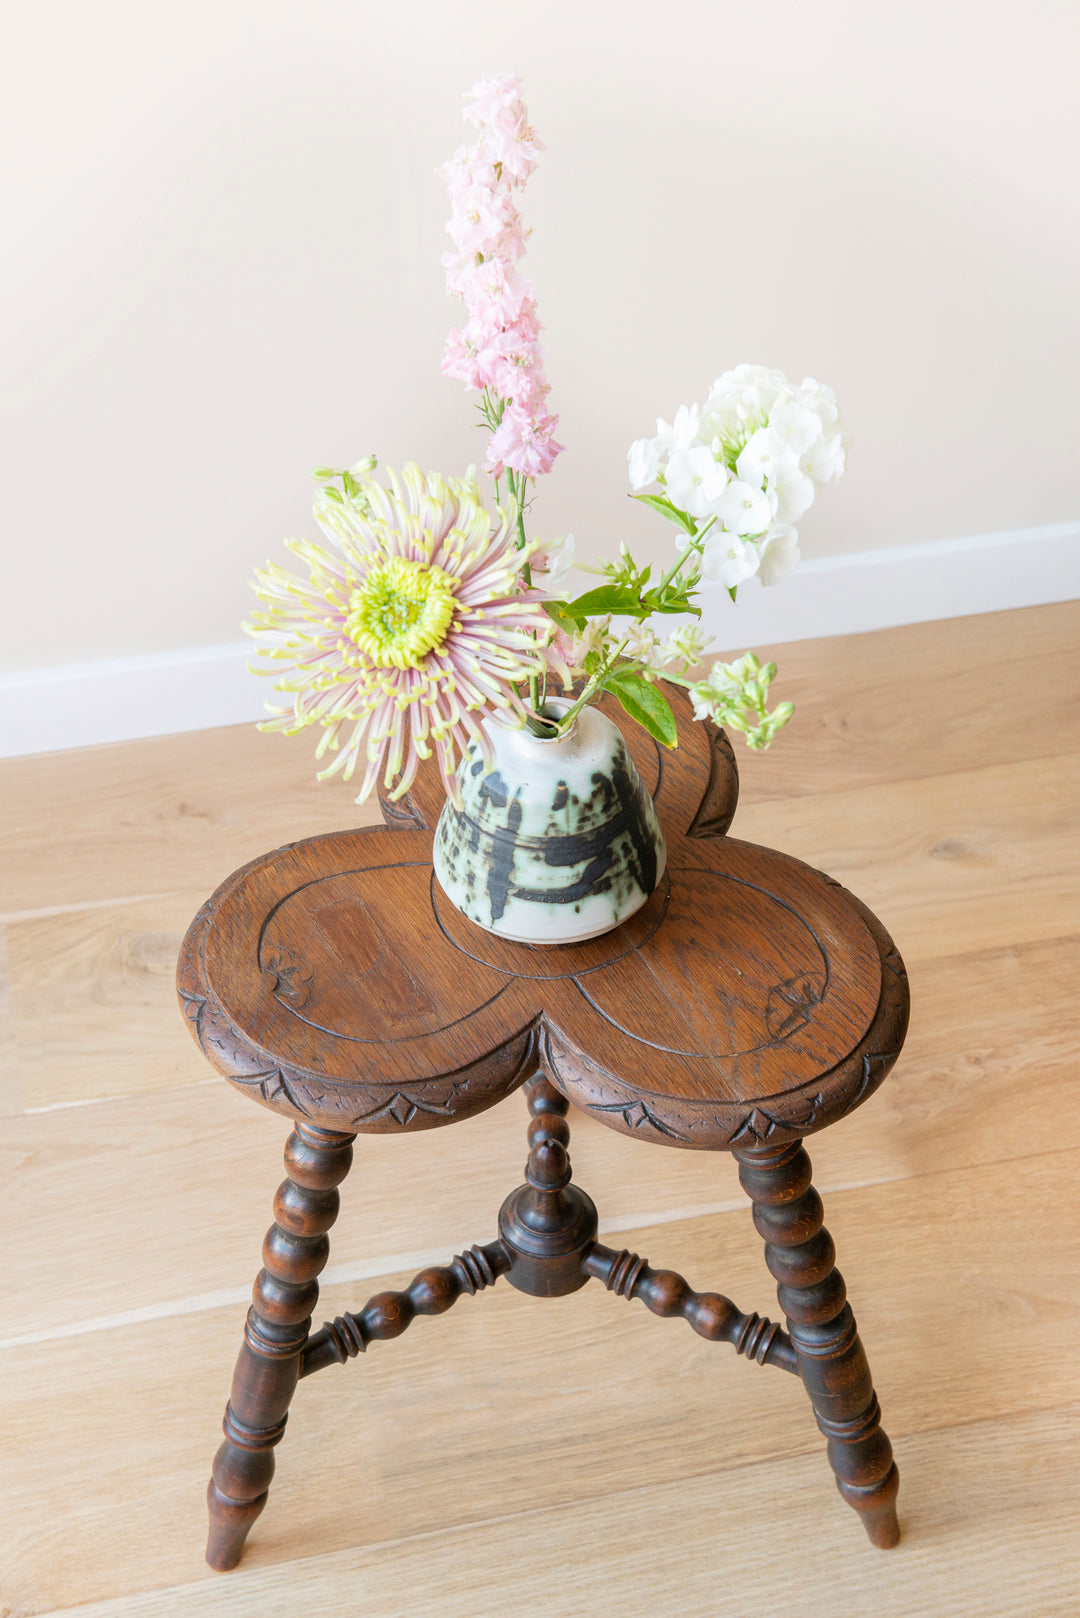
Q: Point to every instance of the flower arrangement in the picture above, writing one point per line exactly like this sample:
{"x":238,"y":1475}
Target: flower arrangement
{"x":429,"y":612}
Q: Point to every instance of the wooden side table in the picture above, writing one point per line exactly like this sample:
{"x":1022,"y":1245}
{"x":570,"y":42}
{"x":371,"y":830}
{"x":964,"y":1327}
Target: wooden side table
{"x":751,"y":1002}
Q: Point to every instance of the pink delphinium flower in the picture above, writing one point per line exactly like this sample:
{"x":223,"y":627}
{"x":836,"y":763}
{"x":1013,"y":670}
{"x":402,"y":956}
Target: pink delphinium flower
{"x":498,"y":350}
{"x":499,"y":113}
{"x":523,"y":441}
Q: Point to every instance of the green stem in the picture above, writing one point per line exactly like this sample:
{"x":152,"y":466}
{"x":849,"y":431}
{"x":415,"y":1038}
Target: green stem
{"x":515,"y":485}
{"x":592,"y":685}
{"x":693,"y":548}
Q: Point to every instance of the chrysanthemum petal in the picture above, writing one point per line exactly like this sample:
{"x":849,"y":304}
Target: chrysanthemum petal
{"x":394,"y":716}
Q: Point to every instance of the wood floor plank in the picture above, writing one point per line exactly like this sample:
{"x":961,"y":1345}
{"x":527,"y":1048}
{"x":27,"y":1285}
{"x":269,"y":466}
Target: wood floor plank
{"x":12,"y":1099}
{"x":921,"y":700}
{"x":992,"y":1032}
{"x":954,"y":863}
{"x":511,"y":1403}
{"x":901,"y":704}
{"x":93,"y":1002}
{"x":156,"y":816}
{"x":979,"y":1540}
{"x":438,"y":1473}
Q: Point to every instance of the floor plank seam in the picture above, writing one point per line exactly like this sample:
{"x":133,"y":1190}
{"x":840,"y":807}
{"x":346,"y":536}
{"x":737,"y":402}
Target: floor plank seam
{"x":258,"y":1569}
{"x":991,"y":951}
{"x":810,"y":1447}
{"x":968,"y":1317}
{"x":748,"y":800}
{"x":390,"y":1266}
{"x":136,"y":1095}
{"x":386,"y":1266}
{"x":45,"y":912}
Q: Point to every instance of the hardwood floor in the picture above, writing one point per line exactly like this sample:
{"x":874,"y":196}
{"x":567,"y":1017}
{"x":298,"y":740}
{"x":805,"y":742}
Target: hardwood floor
{"x":579,"y":1456}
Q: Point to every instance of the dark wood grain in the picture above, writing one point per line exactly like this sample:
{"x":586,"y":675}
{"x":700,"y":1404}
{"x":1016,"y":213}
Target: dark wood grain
{"x":387,"y":1314}
{"x":285,"y":1292}
{"x":750,"y":1002}
{"x":750,"y":999}
{"x":832,"y":1364}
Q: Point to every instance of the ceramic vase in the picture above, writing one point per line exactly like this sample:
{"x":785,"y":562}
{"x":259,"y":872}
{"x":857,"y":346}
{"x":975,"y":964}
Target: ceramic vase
{"x":559,"y":842}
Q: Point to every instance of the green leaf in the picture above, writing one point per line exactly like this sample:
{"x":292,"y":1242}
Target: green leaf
{"x":334,"y":494}
{"x":670,"y":602}
{"x":666,"y":509}
{"x":731,"y":590}
{"x":643,"y":702}
{"x":557,"y":612}
{"x":617,"y":598}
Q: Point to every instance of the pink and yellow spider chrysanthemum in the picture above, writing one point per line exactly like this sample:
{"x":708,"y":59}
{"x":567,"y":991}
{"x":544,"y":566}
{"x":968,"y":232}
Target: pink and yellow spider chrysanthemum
{"x":405,"y":638}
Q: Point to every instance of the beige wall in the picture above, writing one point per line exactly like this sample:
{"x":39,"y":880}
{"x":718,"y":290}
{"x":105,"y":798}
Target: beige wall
{"x":221,"y":267}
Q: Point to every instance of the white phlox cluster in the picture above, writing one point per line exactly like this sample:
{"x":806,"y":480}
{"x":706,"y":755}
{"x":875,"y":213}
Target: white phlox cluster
{"x":745,"y":467}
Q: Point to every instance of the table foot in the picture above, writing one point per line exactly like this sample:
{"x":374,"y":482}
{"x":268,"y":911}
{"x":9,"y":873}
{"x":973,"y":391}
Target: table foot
{"x":831,"y":1361}
{"x":295,"y":1250}
{"x":230,"y":1524}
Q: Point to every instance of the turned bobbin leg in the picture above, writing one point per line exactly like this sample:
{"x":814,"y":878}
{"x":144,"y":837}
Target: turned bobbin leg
{"x":800,"y":1254}
{"x":548,"y":1108}
{"x":285,"y":1291}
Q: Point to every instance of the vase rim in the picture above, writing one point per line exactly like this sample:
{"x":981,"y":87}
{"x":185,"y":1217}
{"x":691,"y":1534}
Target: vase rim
{"x":555,"y":708}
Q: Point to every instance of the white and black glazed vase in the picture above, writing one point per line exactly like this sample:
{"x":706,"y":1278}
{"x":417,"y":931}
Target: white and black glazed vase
{"x":559,"y":842}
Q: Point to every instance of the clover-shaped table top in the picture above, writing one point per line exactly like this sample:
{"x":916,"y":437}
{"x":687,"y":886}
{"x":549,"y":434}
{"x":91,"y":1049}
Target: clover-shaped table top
{"x":751,"y":999}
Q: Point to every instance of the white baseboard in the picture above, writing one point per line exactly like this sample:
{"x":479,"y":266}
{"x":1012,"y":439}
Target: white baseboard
{"x":911,"y":584}
{"x":119,"y":699}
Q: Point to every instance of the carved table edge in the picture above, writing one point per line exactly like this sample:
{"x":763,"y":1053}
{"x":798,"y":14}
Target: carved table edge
{"x":785,"y":1116}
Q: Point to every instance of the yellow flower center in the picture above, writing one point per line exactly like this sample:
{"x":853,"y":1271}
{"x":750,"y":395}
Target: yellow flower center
{"x":401,"y":612}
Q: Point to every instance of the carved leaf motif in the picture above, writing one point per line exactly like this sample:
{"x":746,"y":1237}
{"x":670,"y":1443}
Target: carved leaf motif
{"x":760,"y":1124}
{"x":790,"y":1005}
{"x":757,"y":1127}
{"x":292,"y":979}
{"x":194,"y":1007}
{"x":884,"y":1059}
{"x":635,"y":1114}
{"x":402,"y":1109}
{"x":401,"y":812}
{"x":272,"y":1086}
